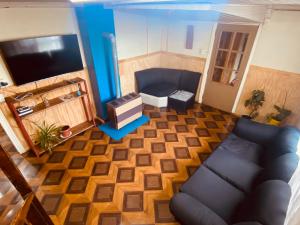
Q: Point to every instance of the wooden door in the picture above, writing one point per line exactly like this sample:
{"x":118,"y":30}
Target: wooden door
{"x":231,"y":51}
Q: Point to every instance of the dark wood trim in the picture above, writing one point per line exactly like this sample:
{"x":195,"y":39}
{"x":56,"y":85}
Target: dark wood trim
{"x":36,"y":213}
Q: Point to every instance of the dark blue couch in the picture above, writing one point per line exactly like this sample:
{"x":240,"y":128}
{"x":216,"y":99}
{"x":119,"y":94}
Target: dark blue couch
{"x":244,"y":181}
{"x":161,"y":82}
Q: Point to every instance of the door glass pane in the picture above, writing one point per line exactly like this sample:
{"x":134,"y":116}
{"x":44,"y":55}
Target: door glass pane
{"x":240,"y":41}
{"x":225,"y":40}
{"x":221,"y":58}
{"x":217,"y":74}
{"x":233,"y":77}
{"x":235,"y":60}
{"x":225,"y":76}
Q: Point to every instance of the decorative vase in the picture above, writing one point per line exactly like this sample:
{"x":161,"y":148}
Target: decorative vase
{"x":65,"y":131}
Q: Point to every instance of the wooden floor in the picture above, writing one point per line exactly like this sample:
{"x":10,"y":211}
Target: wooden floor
{"x":92,"y":179}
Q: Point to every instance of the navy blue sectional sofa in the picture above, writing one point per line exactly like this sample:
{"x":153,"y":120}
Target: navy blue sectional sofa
{"x":244,"y":181}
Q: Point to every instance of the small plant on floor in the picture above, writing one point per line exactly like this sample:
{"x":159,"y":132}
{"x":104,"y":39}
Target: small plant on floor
{"x":255,"y":102}
{"x":47,"y":136}
{"x":282,"y":114}
{"x":277,"y":118}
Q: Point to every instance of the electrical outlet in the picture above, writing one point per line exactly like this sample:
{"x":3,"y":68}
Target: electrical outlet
{"x":203,"y":52}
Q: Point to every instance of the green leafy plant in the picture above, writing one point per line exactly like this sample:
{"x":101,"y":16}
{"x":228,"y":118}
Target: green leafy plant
{"x":281,"y":114}
{"x":255,"y":102}
{"x":47,"y":136}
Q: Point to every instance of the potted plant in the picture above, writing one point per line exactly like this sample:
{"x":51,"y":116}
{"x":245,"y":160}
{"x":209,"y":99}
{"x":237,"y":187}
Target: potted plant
{"x":47,"y":136}
{"x":65,"y":131}
{"x":277,"y":118}
{"x":254,"y":103}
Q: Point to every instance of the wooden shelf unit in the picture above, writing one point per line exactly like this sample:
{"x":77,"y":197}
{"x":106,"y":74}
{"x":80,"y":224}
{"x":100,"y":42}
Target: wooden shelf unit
{"x":39,"y":92}
{"x":53,"y":102}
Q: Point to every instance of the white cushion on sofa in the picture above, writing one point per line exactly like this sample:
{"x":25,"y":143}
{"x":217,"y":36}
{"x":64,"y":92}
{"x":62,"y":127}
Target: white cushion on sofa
{"x":154,"y":101}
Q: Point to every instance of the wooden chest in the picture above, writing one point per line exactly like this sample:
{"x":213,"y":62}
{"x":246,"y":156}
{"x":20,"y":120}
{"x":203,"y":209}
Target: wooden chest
{"x":124,"y":110}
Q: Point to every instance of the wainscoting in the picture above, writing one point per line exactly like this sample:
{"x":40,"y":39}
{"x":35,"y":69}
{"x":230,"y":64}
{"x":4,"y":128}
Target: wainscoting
{"x":157,"y":59}
{"x":71,"y":113}
{"x":127,"y":67}
{"x":276,"y":84}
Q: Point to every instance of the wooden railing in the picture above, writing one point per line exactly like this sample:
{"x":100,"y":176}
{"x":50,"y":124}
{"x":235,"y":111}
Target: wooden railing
{"x":32,"y":212}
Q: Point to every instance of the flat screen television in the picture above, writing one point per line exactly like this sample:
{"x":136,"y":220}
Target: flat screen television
{"x":33,"y":59}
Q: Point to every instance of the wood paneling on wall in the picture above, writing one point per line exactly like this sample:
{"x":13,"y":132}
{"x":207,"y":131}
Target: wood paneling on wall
{"x":184,"y":62}
{"x":70,"y":113}
{"x":129,"y":66}
{"x":276,"y":84}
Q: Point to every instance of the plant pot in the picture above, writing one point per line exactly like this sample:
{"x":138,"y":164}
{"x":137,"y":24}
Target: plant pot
{"x":274,"y":122}
{"x":246,"y":117}
{"x":65,"y":131}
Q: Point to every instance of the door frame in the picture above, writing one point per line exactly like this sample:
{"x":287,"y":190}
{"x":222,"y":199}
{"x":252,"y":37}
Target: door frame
{"x":245,"y":75}
{"x":207,"y":62}
{"x":209,"y":58}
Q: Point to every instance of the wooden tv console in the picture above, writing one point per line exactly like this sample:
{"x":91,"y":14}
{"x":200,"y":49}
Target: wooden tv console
{"x":39,"y":92}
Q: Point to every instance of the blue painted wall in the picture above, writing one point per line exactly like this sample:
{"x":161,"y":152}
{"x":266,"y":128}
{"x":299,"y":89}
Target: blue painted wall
{"x":93,"y":22}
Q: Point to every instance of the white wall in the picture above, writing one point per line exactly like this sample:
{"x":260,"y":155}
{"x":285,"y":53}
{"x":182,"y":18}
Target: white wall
{"x":131,"y":34}
{"x":177,"y":37}
{"x":139,"y":34}
{"x":278,"y":46}
{"x":18,"y":23}
{"x":30,"y":22}
{"x":155,"y":34}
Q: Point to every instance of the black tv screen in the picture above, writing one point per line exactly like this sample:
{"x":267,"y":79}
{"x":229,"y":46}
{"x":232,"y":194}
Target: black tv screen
{"x":34,"y":59}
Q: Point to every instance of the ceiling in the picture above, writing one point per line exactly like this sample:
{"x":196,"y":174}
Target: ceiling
{"x":274,"y":4}
{"x":257,"y":11}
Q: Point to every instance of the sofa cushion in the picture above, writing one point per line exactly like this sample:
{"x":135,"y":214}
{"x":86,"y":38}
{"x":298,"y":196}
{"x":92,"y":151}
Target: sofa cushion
{"x":171,"y":76}
{"x":190,"y":211}
{"x":286,"y":141}
{"x":267,"y":204}
{"x":244,"y":149}
{"x":148,"y":77}
{"x":214,"y":192}
{"x":239,"y":172}
{"x":160,"y":89}
{"x":281,"y":168}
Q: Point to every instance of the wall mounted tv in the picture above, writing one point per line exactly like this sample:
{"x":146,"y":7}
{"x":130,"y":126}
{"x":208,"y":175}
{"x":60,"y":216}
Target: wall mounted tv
{"x":34,"y":59}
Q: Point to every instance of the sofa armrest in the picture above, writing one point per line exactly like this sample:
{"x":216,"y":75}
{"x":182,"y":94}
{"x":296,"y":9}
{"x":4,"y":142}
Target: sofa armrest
{"x":256,"y":132}
{"x":190,"y":211}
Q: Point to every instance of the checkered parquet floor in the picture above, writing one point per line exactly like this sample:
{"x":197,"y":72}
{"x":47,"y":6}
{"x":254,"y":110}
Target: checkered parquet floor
{"x":92,"y":179}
